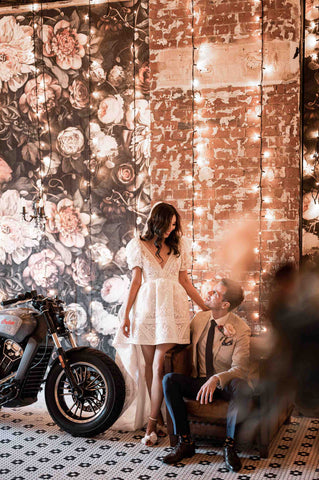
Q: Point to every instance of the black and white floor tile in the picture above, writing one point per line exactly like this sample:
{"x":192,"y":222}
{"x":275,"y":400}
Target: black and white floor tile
{"x":32,"y":447}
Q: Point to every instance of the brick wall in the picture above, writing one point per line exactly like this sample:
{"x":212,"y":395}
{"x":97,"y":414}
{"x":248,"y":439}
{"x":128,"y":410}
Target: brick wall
{"x":236,"y":217}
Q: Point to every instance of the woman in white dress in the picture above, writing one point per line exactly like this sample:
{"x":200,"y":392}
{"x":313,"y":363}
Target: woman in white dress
{"x":156,"y":314}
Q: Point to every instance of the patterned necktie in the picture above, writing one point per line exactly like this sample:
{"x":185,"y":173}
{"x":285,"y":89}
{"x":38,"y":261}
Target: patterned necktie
{"x":209,"y":349}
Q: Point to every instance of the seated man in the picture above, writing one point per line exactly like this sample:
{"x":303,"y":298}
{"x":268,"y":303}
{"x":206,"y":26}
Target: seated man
{"x":220,"y":362}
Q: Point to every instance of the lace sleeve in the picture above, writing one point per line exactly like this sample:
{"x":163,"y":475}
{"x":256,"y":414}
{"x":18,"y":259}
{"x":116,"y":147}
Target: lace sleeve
{"x":134,"y":254}
{"x":186,"y":255}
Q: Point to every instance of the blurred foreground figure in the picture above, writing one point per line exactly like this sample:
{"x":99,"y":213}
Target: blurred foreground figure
{"x":294,"y":314}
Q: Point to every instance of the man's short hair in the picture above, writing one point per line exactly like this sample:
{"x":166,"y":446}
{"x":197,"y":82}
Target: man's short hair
{"x":234,"y":293}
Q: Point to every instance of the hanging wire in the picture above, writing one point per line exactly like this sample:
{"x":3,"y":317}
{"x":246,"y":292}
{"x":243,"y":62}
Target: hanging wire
{"x":135,"y":12}
{"x":89,"y":164}
{"x":193,"y":141}
{"x":261,"y":158}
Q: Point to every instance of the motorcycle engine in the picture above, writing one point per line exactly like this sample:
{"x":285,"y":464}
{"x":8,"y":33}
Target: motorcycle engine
{"x":10,"y":355}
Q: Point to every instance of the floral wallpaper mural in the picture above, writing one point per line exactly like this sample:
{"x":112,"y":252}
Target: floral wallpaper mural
{"x":74,"y":138}
{"x":310,"y":237}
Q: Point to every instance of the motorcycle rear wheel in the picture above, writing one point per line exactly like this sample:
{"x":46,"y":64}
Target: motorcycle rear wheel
{"x":103,"y":398}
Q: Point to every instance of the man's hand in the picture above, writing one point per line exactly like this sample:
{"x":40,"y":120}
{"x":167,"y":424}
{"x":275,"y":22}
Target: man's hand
{"x":206,"y":392}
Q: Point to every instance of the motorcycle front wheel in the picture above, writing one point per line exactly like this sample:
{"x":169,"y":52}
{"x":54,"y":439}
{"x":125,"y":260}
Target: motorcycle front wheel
{"x":102,"y":398}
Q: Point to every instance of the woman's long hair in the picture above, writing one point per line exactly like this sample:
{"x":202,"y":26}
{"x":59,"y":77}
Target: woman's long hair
{"x":157,"y":225}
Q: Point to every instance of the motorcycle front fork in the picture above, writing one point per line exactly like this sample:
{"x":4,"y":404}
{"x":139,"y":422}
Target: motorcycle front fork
{"x":65,"y":362}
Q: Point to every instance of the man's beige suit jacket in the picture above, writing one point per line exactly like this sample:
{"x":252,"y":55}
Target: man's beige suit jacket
{"x":230,"y":361}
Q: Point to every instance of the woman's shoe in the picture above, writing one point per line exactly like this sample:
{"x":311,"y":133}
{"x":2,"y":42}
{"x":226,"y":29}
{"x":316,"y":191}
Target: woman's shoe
{"x":149,"y":440}
{"x":161,"y":431}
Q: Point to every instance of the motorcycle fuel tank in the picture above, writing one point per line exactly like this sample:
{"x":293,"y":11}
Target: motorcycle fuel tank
{"x":17,"y":323}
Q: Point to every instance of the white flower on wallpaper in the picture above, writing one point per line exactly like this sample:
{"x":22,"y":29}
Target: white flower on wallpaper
{"x":16,"y":53}
{"x":101,"y":254}
{"x":115,"y":289}
{"x":138,"y":112}
{"x":111,"y":109}
{"x":68,"y":221}
{"x":77,"y":316}
{"x":17,"y":237}
{"x":70,"y":142}
{"x":44,"y":269}
{"x":102,"y":145}
{"x":102,"y":321}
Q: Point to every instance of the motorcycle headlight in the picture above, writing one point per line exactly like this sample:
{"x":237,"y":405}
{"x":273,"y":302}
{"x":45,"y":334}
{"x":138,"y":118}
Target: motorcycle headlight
{"x":70,"y":320}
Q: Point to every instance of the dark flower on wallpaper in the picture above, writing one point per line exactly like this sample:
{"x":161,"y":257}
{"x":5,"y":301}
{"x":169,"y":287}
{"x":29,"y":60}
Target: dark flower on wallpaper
{"x":116,"y":76}
{"x":102,"y":145}
{"x":101,"y":254}
{"x":143,"y":80}
{"x":65,"y":44}
{"x":97,"y":72}
{"x":115,"y":289}
{"x":109,"y":23}
{"x":79,"y":95}
{"x":111,"y":109}
{"x":70,"y":142}
{"x":77,"y":316}
{"x":5,"y":172}
{"x":83,"y":271}
{"x":17,"y":237}
{"x":67,"y":220}
{"x":138,"y":113}
{"x":102,"y":321}
{"x":44,"y":269}
{"x":16,"y":53}
{"x":40,"y":97}
{"x":13,"y":129}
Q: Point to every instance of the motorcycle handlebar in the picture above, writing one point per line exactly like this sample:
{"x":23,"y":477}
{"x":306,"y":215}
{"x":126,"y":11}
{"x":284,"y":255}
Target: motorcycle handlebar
{"x":22,"y":297}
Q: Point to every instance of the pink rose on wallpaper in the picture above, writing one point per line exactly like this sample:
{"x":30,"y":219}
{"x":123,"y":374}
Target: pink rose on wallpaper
{"x":83,"y":271}
{"x":5,"y":172}
{"x":65,"y":44}
{"x":44,"y":269}
{"x":40,"y":97}
{"x":79,"y":95}
{"x":67,"y":220}
{"x":111,"y":109}
{"x":70,"y":142}
{"x":16,"y":53}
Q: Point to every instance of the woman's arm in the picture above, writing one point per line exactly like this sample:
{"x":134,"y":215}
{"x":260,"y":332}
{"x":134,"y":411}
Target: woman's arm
{"x":134,"y":288}
{"x":191,"y":290}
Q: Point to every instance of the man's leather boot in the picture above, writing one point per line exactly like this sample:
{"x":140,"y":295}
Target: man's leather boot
{"x":183,"y":449}
{"x":231,"y":458}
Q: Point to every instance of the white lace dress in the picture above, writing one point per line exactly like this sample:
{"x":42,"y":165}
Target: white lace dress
{"x":160,"y":314}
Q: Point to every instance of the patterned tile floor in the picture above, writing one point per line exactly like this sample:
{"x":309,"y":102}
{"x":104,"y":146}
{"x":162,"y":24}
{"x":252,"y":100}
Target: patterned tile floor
{"x":32,"y":447}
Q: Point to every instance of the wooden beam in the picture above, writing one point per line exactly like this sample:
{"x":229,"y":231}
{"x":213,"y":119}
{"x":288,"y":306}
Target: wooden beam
{"x":16,"y":7}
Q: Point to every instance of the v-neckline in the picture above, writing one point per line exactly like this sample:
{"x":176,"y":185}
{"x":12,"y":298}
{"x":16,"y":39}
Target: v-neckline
{"x":154,"y":258}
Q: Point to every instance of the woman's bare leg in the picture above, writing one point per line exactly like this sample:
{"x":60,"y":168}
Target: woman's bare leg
{"x":157,"y":389}
{"x":148,"y":354}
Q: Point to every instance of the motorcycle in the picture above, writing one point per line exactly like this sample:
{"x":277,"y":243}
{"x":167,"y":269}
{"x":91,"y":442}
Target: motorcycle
{"x":84,"y":388}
